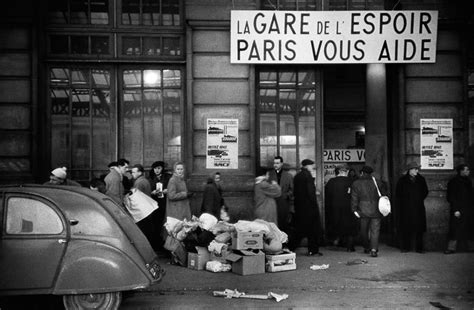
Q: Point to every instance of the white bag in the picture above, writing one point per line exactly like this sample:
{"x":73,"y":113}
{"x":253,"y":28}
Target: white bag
{"x":384,"y":202}
{"x":139,"y":204}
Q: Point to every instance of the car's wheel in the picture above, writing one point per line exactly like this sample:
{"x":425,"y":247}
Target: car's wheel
{"x":106,"y":301}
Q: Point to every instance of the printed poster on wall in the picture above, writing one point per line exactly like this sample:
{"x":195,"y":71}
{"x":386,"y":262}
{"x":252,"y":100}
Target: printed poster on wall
{"x":222,"y":143}
{"x":436,"y":142}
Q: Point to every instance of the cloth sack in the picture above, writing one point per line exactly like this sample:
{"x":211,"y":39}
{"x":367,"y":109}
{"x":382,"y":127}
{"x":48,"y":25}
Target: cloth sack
{"x":384,"y":202}
{"x":139,"y":204}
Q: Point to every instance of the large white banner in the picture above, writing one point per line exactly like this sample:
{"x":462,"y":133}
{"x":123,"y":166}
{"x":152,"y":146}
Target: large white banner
{"x":222,"y":143}
{"x":262,"y":37}
{"x":436,"y":143}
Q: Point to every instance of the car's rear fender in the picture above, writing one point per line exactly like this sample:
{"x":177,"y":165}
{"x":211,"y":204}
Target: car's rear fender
{"x":94,"y":267}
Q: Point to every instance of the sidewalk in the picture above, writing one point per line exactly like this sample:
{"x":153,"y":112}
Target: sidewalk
{"x":390,"y":269}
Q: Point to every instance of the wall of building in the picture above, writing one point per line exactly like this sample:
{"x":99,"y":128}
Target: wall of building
{"x":218,"y":89}
{"x":435,"y":91}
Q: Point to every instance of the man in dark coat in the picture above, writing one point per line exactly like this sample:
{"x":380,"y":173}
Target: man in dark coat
{"x":158,"y":175}
{"x":307,"y":217}
{"x":285,"y":201}
{"x":212,"y":200}
{"x":364,"y":204}
{"x":460,"y":197}
{"x":410,"y":213}
{"x":338,"y":204}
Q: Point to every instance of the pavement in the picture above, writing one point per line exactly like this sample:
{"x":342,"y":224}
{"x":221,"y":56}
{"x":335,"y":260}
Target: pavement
{"x":353,"y":280}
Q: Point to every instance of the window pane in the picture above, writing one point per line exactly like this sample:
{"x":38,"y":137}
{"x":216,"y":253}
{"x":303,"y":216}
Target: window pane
{"x":268,"y":141}
{"x":132,"y":78}
{"x":80,"y":77}
{"x":307,"y":136}
{"x":59,"y":127}
{"x":100,"y":45}
{"x":171,"y":78}
{"x":151,"y":46}
{"x":79,"y":11}
{"x":170,"y":13}
{"x":307,"y":100}
{"x":171,"y":47}
{"x":100,"y":78}
{"x":59,"y":44}
{"x":288,"y":138}
{"x":79,"y":45}
{"x":132,"y":125}
{"x":287,"y":79}
{"x":268,"y":79}
{"x":28,"y":216}
{"x":130,"y":12}
{"x":59,"y":76}
{"x":153,"y":126}
{"x":151,"y":78}
{"x":287,"y":101}
{"x":306,"y":79}
{"x":103,"y":143}
{"x":57,"y":12}
{"x":172,"y":125}
{"x":267,"y":100}
{"x":151,"y":12}
{"x":99,"y":12}
{"x":131,"y":46}
{"x":81,"y":129}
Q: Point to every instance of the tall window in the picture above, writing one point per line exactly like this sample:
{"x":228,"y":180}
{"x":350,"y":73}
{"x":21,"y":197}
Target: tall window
{"x":82,"y":118}
{"x":151,"y":115}
{"x":287,"y":114}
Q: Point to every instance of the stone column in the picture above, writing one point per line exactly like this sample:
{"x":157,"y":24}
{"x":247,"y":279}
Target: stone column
{"x":376,"y":120}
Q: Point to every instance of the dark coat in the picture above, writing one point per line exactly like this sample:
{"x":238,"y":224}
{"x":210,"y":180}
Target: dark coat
{"x":285,"y":200}
{"x":460,"y":198}
{"x":410,"y":194}
{"x":365,"y":198}
{"x":142,"y":184}
{"x":306,"y":206}
{"x":212,"y":199}
{"x":338,"y":206}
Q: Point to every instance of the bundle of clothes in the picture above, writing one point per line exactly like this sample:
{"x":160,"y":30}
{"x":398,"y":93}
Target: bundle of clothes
{"x":216,"y":236}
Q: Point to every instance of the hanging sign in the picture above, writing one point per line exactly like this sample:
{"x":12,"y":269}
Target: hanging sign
{"x":436,"y":143}
{"x":222,"y":150}
{"x":285,"y":37}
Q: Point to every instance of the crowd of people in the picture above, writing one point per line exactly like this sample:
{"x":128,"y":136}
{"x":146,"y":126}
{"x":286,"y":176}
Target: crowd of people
{"x":289,"y":201}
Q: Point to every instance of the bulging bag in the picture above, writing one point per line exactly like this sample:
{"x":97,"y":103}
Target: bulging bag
{"x":384,"y":203}
{"x":139,"y":204}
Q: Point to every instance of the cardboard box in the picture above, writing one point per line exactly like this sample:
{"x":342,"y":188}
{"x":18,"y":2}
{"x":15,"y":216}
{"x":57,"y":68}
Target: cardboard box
{"x":197,"y":261}
{"x":244,"y":240}
{"x":247,"y":262}
{"x":220,"y":257}
{"x":281,"y":262}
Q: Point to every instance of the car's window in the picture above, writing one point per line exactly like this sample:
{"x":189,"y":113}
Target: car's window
{"x":29,"y":216}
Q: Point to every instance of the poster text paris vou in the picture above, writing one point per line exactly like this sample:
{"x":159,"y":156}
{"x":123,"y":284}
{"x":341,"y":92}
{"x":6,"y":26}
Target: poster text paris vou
{"x":286,"y":37}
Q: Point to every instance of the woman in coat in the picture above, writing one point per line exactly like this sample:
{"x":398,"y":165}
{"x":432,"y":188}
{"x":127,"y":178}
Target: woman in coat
{"x":177,"y":204}
{"x":410,"y":194}
{"x":265,"y":193}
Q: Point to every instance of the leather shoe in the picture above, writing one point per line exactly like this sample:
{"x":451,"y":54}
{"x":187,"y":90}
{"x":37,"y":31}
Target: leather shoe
{"x":449,"y":252}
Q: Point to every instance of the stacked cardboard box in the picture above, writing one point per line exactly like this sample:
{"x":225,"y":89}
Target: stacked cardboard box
{"x":197,"y":261}
{"x":247,"y":256}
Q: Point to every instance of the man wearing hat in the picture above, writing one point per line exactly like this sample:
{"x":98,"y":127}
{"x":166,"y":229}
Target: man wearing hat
{"x":307,"y":220}
{"x":410,"y":214}
{"x":59,"y":177}
{"x":364,"y":205}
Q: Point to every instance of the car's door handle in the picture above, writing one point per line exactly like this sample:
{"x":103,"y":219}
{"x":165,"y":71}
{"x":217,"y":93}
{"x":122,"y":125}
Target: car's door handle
{"x":62,"y":241}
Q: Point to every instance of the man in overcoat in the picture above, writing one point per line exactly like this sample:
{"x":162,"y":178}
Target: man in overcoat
{"x":307,"y":219}
{"x":285,"y":201}
{"x":460,"y":198}
{"x":364,"y":204}
{"x":338,"y":204}
{"x":410,"y":213}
